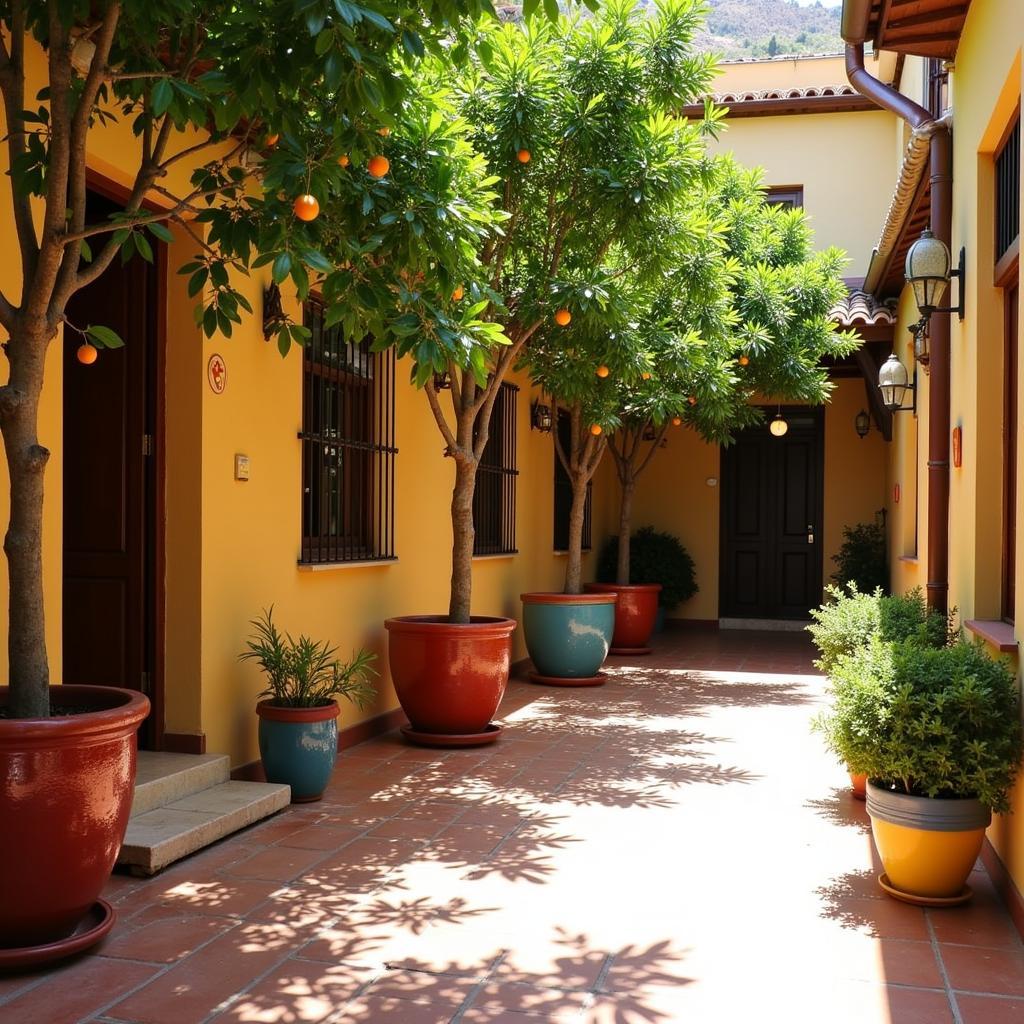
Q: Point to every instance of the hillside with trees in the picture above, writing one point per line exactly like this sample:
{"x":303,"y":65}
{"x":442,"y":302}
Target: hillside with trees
{"x":768,"y":28}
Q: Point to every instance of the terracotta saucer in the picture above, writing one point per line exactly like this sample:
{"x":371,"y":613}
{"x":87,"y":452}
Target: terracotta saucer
{"x":631,"y":651}
{"x":459,"y":739}
{"x":93,"y":927}
{"x":925,"y":901}
{"x":599,"y":680}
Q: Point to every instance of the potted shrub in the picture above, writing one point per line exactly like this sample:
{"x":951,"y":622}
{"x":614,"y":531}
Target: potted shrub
{"x":937,"y":730}
{"x":846,"y":622}
{"x":298,"y":730}
{"x":654,"y":557}
{"x":263,"y":185}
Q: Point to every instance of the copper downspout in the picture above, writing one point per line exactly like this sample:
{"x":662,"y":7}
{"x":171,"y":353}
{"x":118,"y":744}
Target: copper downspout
{"x":855,"y":19}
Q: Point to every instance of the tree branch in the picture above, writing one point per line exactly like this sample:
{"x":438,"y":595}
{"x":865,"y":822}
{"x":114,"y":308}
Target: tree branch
{"x":12,"y":86}
{"x":654,"y":447}
{"x":442,"y":423}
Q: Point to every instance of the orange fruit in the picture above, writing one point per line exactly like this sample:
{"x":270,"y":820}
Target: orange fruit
{"x":523,"y":156}
{"x":562,"y":317}
{"x":458,"y":293}
{"x":385,"y":131}
{"x":87,"y":354}
{"x":744,"y":360}
{"x":692,"y":399}
{"x":306,"y":207}
{"x":677,"y":421}
{"x":378,"y":166}
{"x":272,"y":140}
{"x":343,"y":160}
{"x":645,"y":375}
{"x":603,"y":371}
{"x":596,"y":429}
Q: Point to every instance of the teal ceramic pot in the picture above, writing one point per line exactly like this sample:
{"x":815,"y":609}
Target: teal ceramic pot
{"x":299,"y":747}
{"x":568,"y":635}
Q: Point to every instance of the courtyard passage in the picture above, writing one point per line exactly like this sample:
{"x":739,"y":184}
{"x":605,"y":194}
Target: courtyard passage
{"x":674,"y":846}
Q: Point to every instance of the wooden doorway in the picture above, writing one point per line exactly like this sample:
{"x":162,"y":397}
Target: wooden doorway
{"x":772,"y":513}
{"x":111,"y":494}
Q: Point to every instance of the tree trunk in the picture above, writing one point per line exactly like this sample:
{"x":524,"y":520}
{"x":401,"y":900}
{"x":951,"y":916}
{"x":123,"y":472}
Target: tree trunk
{"x":463,"y":535}
{"x":574,"y":563}
{"x":625,"y":521}
{"x":23,"y":544}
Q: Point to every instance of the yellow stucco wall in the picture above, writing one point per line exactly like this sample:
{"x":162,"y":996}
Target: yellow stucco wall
{"x":986,"y":85}
{"x":834,"y":157}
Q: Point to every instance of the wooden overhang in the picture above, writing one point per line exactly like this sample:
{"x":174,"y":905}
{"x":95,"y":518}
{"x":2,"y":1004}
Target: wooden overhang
{"x":874,"y":322}
{"x":927,"y":28}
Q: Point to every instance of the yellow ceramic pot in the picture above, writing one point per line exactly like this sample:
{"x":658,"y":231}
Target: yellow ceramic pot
{"x":927,"y":846}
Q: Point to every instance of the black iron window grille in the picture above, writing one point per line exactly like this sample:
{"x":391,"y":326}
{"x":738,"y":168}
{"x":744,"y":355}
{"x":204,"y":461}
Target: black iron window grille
{"x":563,"y":490}
{"x":1008,"y":192}
{"x":348,"y":449}
{"x":494,"y":500}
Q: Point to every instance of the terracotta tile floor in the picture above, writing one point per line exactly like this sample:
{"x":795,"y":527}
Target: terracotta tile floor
{"x":672,"y":847}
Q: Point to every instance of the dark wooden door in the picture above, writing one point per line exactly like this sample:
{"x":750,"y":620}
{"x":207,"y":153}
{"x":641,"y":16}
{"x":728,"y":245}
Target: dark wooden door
{"x":109,"y":483}
{"x":771,"y":521}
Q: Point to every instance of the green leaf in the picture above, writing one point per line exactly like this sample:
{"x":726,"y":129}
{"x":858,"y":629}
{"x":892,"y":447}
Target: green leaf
{"x":162,"y":96}
{"x":143,"y":246}
{"x":413,"y":43}
{"x":104,"y":337}
{"x":160,"y":231}
{"x":282,"y":267}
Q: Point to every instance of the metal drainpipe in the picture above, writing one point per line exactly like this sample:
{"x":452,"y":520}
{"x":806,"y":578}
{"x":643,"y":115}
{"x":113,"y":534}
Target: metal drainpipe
{"x":941,"y":223}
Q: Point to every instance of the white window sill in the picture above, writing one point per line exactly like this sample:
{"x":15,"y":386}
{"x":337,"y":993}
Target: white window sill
{"x":332,"y":566}
{"x":495,"y":558}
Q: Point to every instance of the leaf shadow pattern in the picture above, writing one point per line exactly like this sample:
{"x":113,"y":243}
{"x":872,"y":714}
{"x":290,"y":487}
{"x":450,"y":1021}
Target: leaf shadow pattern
{"x":842,"y":808}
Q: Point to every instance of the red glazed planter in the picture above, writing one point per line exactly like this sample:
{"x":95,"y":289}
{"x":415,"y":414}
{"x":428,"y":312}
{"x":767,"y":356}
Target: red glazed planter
{"x":66,"y":788}
{"x":450,"y":678}
{"x":636,"y":610}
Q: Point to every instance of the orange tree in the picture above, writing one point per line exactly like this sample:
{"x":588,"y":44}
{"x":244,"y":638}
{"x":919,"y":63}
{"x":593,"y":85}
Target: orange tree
{"x":314,"y":149}
{"x":740,"y":311}
{"x":713,"y":345}
{"x":573,"y":119}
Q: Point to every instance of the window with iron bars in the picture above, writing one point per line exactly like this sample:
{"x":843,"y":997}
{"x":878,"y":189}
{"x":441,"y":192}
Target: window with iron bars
{"x":563,"y":490}
{"x":1008,"y":192}
{"x":348,"y":450}
{"x":494,"y":500}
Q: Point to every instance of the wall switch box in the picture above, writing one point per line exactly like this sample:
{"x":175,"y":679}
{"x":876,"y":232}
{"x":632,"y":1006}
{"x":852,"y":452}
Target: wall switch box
{"x":241,"y":467}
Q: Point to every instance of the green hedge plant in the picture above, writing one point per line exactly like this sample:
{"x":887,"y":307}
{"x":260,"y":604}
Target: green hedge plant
{"x":863,"y":558}
{"x":849,"y":619}
{"x":654,"y":557}
{"x":938,"y":722}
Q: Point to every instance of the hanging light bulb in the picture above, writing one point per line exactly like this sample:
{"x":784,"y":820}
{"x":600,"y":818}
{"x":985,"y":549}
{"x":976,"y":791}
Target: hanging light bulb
{"x":778,"y":426}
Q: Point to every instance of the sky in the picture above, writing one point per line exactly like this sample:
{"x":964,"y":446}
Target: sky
{"x":824,"y":3}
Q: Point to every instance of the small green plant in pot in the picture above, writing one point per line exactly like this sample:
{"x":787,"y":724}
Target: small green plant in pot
{"x":937,"y":730}
{"x":298,"y":727}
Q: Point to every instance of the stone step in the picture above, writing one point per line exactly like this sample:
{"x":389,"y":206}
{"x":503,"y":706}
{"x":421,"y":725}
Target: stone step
{"x":165,"y":834}
{"x":163,"y":778}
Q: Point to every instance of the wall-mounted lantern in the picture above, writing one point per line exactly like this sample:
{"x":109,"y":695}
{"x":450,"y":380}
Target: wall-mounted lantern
{"x":894,"y":383}
{"x":862,"y":424}
{"x":540,"y":417}
{"x":928,"y":272}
